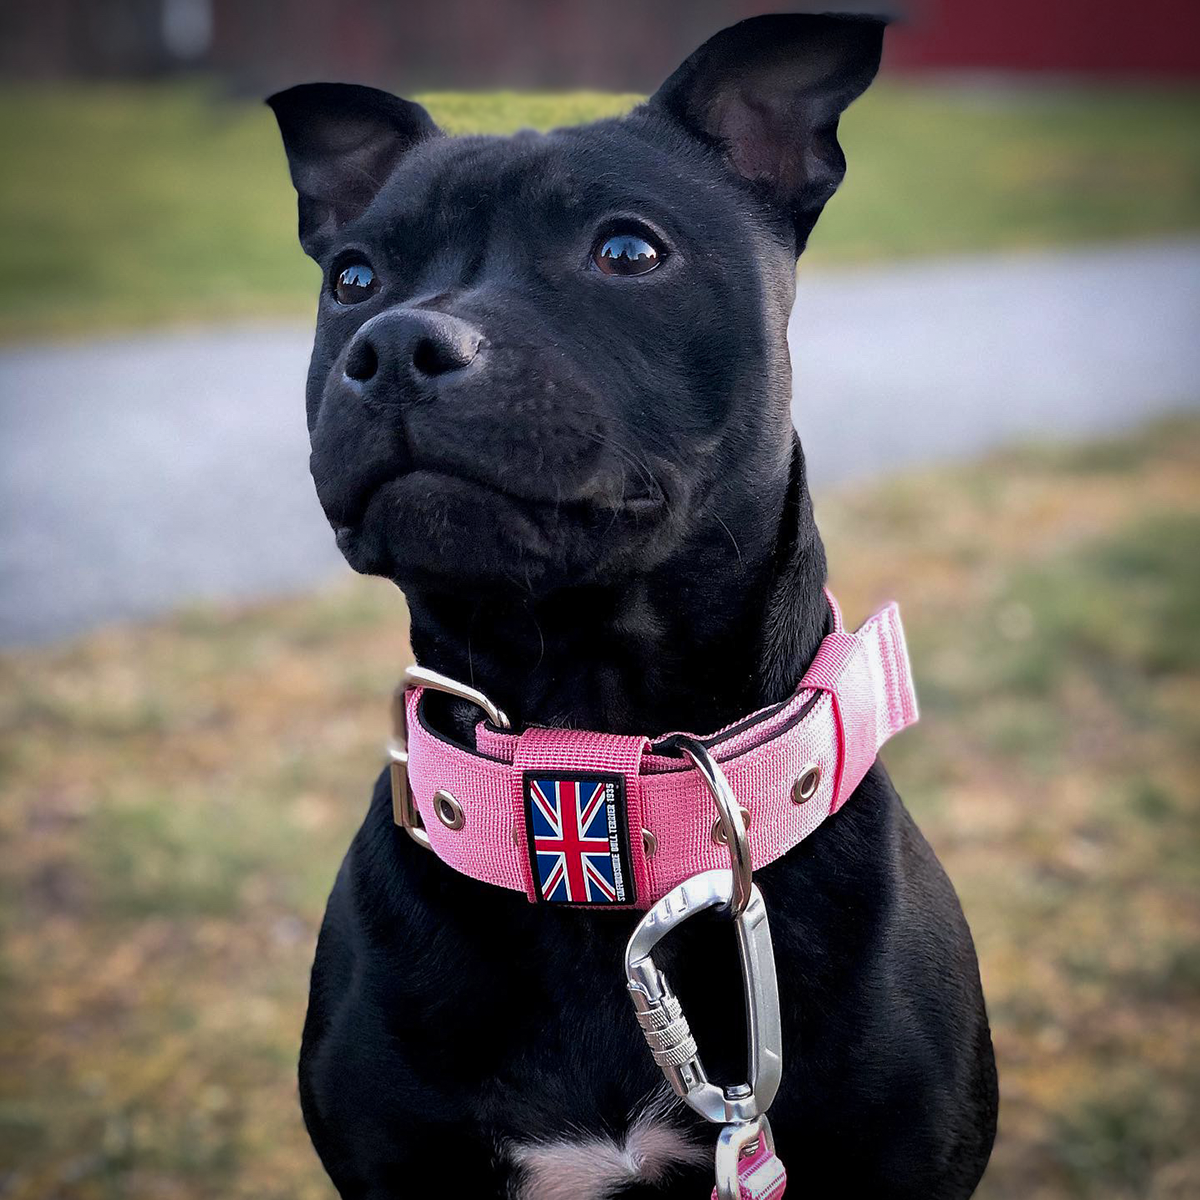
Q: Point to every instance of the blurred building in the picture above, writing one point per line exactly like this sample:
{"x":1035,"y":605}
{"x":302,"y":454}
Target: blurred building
{"x":613,"y":44}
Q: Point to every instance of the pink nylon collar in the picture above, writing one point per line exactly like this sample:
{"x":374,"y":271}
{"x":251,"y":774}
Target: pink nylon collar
{"x":857,"y":693}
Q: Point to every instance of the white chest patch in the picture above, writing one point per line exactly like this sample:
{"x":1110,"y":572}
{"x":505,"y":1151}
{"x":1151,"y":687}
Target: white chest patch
{"x":594,"y":1168}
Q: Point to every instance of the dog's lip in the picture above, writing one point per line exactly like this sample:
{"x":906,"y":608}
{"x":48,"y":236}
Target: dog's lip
{"x":636,"y":505}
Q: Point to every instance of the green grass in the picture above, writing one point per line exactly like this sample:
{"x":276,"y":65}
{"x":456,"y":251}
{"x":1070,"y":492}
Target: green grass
{"x":132,"y":205}
{"x":175,"y":798}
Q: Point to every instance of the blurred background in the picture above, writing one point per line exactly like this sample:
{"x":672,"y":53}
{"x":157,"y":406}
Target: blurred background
{"x":998,"y":386}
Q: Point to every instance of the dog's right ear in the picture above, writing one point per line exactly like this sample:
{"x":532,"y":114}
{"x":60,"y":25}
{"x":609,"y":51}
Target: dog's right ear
{"x":342,"y":141}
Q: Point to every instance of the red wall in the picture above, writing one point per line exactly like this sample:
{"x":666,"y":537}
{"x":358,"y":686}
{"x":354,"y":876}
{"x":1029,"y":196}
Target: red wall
{"x":617,"y":44}
{"x":1101,"y":37}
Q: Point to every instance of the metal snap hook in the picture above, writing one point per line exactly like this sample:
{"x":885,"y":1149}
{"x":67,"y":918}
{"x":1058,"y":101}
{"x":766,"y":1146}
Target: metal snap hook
{"x":730,"y":816}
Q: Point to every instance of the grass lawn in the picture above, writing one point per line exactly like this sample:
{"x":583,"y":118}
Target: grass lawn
{"x":129,"y":205}
{"x":176,"y":798}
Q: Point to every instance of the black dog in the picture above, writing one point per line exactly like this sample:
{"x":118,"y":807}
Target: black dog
{"x":549,"y":397}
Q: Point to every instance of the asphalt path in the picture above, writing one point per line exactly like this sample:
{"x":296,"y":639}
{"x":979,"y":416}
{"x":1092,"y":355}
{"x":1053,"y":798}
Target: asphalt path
{"x":141,"y":473}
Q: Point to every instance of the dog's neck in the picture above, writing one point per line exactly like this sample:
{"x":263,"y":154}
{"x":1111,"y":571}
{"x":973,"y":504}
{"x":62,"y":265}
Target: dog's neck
{"x":724,"y":627}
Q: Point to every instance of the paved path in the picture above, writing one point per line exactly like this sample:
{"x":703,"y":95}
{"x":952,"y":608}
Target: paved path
{"x":139,"y":473}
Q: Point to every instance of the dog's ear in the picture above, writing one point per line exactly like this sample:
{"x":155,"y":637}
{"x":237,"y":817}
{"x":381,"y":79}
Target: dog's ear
{"x":342,"y":142}
{"x":768,"y":93}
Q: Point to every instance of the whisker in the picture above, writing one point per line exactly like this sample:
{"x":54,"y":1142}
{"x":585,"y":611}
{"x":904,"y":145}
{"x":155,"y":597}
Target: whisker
{"x":731,"y":537}
{"x":633,"y":459}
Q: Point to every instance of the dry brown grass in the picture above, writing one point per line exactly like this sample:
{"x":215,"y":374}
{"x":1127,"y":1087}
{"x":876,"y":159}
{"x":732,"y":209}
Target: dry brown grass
{"x":175,"y":799}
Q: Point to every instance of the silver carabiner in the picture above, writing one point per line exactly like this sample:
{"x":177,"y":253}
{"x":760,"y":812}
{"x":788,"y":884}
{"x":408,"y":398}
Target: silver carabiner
{"x":661,"y":1016}
{"x":404,"y":807}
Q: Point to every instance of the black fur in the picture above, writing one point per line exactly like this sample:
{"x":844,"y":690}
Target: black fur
{"x":589,"y":489}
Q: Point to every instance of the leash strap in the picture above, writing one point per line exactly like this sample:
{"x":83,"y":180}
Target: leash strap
{"x":761,"y":1176}
{"x":790,"y":765}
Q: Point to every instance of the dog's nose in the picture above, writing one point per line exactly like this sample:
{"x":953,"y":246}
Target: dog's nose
{"x":423,"y":343}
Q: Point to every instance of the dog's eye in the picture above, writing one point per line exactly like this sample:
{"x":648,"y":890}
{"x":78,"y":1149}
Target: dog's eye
{"x":355,"y":283}
{"x":625,"y":254}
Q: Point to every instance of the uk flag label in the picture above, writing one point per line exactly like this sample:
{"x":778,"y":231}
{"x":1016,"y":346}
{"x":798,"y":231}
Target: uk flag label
{"x":578,"y":837}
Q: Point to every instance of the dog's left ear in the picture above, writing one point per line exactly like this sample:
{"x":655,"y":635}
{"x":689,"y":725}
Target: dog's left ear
{"x":768,"y":93}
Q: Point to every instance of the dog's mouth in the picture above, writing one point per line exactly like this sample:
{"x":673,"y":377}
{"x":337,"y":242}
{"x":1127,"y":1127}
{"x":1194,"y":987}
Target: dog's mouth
{"x":613,"y":503}
{"x":634,"y":494}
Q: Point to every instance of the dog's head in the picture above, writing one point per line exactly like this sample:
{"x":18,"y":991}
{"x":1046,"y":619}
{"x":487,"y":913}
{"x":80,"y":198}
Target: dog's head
{"x":558,"y":359}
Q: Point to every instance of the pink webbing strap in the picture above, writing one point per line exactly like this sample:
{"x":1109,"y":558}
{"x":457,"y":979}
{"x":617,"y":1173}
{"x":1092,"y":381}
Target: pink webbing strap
{"x":868,"y":675}
{"x":760,"y":1176}
{"x":857,"y":693}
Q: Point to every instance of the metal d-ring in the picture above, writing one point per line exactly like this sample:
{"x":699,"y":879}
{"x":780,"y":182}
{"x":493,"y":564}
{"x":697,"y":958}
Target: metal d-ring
{"x":404,"y":806}
{"x":730,"y":815}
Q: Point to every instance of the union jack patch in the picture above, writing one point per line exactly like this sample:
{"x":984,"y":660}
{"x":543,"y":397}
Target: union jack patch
{"x":578,"y":837}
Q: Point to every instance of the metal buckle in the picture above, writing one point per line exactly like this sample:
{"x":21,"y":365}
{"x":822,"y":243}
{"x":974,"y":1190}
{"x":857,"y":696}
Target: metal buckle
{"x":661,"y":1016}
{"x":404,"y":807}
{"x":415,"y":676}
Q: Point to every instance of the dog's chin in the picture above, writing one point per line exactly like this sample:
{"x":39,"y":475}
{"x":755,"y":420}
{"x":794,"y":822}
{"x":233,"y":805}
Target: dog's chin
{"x":430,"y":529}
